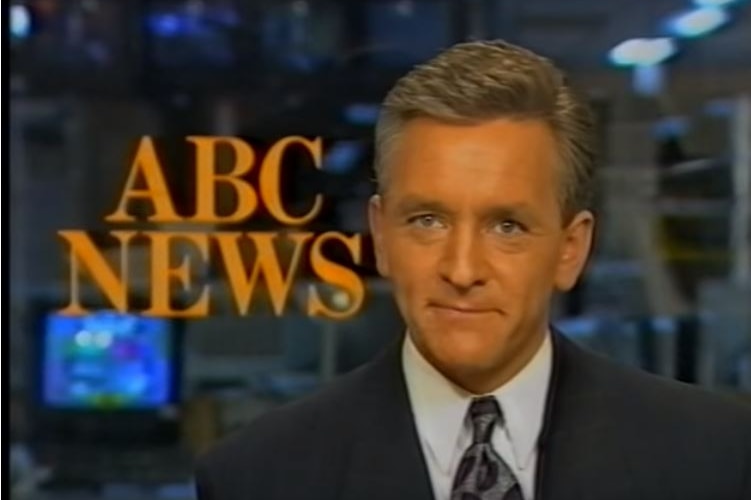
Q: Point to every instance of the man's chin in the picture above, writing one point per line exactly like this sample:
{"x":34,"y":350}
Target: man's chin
{"x":472,"y":375}
{"x":468,"y":344}
{"x":465,"y":359}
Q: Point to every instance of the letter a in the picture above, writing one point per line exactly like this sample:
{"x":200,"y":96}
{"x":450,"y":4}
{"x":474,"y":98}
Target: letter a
{"x":147,"y":165}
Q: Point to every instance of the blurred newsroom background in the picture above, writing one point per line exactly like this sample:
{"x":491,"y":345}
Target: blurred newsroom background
{"x":117,"y":406}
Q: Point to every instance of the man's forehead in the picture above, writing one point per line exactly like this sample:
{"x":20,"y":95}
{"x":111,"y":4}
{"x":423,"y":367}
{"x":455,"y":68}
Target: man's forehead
{"x":502,"y":143}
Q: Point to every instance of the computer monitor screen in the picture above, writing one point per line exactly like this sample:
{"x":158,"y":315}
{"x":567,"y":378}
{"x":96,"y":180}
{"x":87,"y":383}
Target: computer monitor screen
{"x":107,"y":361}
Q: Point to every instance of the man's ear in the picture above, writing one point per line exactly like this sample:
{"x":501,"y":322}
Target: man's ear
{"x":375,"y":218}
{"x":577,"y":244}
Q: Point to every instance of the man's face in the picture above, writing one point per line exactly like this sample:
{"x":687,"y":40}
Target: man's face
{"x":470,"y":232}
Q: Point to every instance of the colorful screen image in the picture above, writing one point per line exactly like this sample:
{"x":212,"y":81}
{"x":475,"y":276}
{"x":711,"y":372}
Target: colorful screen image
{"x":107,"y":360}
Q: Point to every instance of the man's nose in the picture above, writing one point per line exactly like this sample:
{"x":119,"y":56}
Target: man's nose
{"x":463,"y":264}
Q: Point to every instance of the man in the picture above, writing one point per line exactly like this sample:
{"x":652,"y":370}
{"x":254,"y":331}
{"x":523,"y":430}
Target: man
{"x":485,"y":164}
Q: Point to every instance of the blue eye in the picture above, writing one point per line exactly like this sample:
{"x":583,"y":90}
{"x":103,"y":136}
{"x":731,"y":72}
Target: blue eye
{"x":426,"y":221}
{"x":509,"y":227}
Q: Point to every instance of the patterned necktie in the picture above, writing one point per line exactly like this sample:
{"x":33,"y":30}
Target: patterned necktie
{"x":482,"y":473}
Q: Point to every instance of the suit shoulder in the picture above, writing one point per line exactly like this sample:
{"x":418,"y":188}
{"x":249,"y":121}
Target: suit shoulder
{"x":660,"y":398}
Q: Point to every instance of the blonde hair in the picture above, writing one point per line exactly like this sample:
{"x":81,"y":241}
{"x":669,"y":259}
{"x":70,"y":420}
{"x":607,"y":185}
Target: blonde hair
{"x":484,"y":80}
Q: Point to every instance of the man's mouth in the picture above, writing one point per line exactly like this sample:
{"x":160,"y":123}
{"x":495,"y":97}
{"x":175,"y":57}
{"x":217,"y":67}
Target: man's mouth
{"x":461,"y":308}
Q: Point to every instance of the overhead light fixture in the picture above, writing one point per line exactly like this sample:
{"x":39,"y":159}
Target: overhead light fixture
{"x":642,"y":51}
{"x":20,"y":21}
{"x":714,"y":3}
{"x":698,"y":22}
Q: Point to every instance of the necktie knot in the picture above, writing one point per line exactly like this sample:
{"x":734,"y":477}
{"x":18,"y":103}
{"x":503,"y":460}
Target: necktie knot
{"x":484,"y":413}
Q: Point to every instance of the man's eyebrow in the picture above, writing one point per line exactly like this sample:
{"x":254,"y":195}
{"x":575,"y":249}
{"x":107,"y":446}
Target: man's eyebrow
{"x":514,"y":209}
{"x":410,"y":204}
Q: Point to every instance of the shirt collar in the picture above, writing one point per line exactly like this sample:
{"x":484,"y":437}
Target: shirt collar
{"x":439,"y":406}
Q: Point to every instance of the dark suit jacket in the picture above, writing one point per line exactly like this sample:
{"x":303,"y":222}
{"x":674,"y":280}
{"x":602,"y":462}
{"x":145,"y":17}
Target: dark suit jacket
{"x":610,"y":433}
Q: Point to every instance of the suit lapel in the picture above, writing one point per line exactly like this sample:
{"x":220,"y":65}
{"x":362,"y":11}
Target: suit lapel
{"x":386,"y":460}
{"x":580,"y":455}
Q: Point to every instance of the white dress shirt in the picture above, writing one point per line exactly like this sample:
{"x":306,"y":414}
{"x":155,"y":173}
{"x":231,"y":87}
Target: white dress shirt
{"x":440,"y":410}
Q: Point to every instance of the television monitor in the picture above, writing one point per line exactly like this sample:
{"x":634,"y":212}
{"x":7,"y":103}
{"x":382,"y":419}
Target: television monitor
{"x":106,"y":377}
{"x":107,"y":360}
